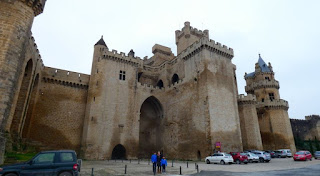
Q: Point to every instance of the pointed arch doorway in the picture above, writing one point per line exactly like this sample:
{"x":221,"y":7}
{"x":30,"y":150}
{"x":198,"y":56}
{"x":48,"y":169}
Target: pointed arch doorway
{"x":151,"y":129}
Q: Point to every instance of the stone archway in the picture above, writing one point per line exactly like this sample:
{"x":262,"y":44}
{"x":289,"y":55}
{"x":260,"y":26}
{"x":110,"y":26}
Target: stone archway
{"x":151,"y":130}
{"x":26,"y":123}
{"x":22,"y":99}
{"x":119,"y":152}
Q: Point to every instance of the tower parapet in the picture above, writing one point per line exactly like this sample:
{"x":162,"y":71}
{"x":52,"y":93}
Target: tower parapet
{"x":188,"y":35}
{"x":246,"y":99}
{"x":275,"y":104}
{"x":36,"y":5}
{"x":262,"y":84}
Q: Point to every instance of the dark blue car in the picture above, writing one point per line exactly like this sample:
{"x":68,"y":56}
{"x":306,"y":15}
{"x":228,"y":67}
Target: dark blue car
{"x":48,"y":163}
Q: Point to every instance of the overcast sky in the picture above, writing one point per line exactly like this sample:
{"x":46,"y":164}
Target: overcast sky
{"x":286,"y":33}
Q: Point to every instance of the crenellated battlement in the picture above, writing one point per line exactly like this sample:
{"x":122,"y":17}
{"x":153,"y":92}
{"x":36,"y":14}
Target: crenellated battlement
{"x":262,"y":84}
{"x":275,"y":104}
{"x":36,"y":5}
{"x":65,"y":77}
{"x":209,"y":44}
{"x":122,"y":57}
{"x":187,"y":30}
{"x":246,"y":99}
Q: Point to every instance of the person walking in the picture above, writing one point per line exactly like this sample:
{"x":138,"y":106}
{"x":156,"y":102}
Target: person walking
{"x":154,"y":162}
{"x":164,"y":164}
{"x":159,"y":162}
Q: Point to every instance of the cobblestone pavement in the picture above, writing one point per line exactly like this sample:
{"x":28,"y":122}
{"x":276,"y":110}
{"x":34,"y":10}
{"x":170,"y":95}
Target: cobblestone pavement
{"x":276,"y":167}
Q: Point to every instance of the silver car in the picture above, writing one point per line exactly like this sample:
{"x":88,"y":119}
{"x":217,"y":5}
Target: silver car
{"x":316,"y":154}
{"x":263,"y":156}
{"x":287,"y":152}
{"x":221,"y":158}
{"x":253,"y":158}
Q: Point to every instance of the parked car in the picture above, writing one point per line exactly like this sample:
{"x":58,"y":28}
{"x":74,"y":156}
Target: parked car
{"x":271,"y":152}
{"x":239,"y":157}
{"x":280,"y":154}
{"x":263,"y":156}
{"x":316,"y":154}
{"x":253,"y":158}
{"x":287,"y":152}
{"x":60,"y":163}
{"x":302,"y":156}
{"x":221,"y":158}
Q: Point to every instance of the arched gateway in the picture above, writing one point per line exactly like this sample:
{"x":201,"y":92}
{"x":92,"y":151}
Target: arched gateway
{"x":151,"y":128}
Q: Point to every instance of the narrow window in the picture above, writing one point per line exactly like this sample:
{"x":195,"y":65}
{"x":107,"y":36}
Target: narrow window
{"x":94,"y":98}
{"x":267,"y":78}
{"x":271,"y":96}
{"x":122,"y":75}
{"x":262,"y":99}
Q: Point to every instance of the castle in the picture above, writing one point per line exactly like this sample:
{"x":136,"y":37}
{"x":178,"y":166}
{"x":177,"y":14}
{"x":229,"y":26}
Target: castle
{"x":129,"y":107}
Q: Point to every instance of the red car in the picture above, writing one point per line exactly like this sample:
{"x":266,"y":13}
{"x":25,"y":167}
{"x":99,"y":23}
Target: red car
{"x":239,"y":157}
{"x":302,"y":156}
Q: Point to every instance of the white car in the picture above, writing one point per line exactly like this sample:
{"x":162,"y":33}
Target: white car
{"x":253,"y":158}
{"x":287,"y":151}
{"x":221,"y":158}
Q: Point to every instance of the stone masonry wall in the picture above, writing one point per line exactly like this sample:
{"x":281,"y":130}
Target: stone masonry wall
{"x":59,"y":109}
{"x":15,"y":24}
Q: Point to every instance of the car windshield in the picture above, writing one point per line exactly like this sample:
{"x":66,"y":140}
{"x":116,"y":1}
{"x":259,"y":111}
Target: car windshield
{"x":317,"y":152}
{"x":227,"y":154}
{"x":253,"y":154}
{"x":300,"y":153}
{"x":243,"y":154}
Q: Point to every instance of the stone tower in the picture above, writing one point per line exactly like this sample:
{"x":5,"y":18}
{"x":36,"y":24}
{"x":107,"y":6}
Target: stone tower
{"x":16,"y":18}
{"x":274,"y":123}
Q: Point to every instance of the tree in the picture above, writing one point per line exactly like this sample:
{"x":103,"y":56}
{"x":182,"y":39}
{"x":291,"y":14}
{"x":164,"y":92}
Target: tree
{"x":310,"y":146}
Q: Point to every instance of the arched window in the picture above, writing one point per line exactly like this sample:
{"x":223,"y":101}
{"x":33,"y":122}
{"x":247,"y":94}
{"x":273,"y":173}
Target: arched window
{"x":160,"y":84}
{"x":175,"y":78}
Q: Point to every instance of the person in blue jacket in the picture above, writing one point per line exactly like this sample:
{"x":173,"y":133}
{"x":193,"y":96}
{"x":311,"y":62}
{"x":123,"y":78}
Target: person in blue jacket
{"x":154,"y":162}
{"x":164,"y":164}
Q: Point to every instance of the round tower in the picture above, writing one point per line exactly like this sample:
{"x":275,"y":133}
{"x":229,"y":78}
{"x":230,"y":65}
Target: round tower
{"x":275,"y":127}
{"x":16,"y":18}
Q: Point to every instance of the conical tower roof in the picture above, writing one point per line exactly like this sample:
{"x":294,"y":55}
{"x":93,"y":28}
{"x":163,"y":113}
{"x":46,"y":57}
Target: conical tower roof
{"x":101,"y":42}
{"x":264,"y":67}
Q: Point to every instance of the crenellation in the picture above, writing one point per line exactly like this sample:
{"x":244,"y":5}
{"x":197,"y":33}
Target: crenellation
{"x":65,"y":75}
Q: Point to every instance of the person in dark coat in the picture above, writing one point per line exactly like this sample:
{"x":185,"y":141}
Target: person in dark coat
{"x":154,"y":162}
{"x":159,"y":162}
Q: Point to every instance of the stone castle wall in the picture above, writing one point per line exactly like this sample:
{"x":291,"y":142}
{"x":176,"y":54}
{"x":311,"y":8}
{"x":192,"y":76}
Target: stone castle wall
{"x":57,"y":119}
{"x":306,"y":129}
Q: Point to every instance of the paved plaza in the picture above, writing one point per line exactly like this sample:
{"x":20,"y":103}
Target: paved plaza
{"x":276,"y":167}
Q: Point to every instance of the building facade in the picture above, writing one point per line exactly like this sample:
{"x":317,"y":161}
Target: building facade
{"x":129,"y":107}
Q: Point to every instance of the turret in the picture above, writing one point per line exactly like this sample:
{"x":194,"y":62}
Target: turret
{"x":275,"y":127}
{"x":188,"y":35}
{"x":16,"y":18}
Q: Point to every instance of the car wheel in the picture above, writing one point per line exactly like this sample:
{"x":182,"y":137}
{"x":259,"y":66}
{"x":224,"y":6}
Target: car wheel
{"x":279,"y":156}
{"x":261,"y":160}
{"x":310,"y":159}
{"x":250,"y":161}
{"x":11,"y":174}
{"x":208,"y":162}
{"x":245,"y":162}
{"x":267,"y":161}
{"x":238,"y":161}
{"x":222,"y":162}
{"x":65,"y":174}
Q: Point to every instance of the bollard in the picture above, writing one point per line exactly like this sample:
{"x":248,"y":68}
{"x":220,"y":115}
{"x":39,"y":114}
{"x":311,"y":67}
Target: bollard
{"x":197,"y":168}
{"x":180,"y":171}
{"x":148,"y":162}
{"x":172,"y":163}
{"x":92,"y":172}
{"x":187,"y":165}
{"x":125,"y":169}
{"x":195,"y":165}
{"x":130,"y":160}
{"x":138,"y":161}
